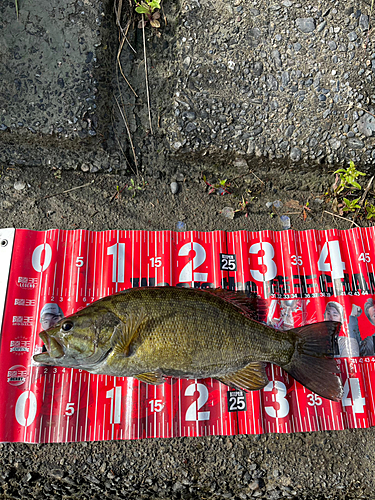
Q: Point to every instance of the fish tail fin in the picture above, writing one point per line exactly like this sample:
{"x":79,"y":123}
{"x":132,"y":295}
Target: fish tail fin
{"x":312,"y":363}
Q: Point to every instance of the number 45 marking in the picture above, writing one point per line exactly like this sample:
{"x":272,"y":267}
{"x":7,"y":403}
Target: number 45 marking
{"x":364,"y":257}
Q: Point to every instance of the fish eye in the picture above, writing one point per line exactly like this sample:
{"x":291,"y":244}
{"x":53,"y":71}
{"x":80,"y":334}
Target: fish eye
{"x":68,"y":325}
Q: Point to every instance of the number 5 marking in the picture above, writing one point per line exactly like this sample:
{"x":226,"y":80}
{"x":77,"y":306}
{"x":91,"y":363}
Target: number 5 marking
{"x":264,"y":260}
{"x":69,"y":409}
{"x":79,"y":261}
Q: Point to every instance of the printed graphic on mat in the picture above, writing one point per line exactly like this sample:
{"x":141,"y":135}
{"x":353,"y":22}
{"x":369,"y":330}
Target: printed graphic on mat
{"x":303,"y":278}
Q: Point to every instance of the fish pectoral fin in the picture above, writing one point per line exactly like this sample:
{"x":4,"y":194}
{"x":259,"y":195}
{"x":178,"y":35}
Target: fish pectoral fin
{"x":251,"y":378}
{"x":153,"y":378}
{"x":126,"y":332}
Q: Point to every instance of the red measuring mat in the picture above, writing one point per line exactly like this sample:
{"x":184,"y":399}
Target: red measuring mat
{"x":303,"y":277}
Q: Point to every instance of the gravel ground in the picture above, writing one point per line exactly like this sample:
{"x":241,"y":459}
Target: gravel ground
{"x":267,"y":95}
{"x":280,"y":79}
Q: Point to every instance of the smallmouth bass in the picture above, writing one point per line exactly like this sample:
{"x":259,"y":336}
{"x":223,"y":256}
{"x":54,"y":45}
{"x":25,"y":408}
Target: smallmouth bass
{"x":153,"y":332}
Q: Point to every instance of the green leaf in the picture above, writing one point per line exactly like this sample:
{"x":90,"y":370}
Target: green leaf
{"x":355,"y":184}
{"x":142,"y":10}
{"x":222,"y":183}
{"x":339,"y":170}
{"x":154,"y":4}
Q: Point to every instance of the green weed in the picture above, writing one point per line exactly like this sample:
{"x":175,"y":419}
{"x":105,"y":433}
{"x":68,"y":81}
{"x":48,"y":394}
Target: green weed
{"x":351,"y":206}
{"x":370,"y":210}
{"x":348,"y":178}
{"x":220,"y":187}
{"x":148,"y":9}
{"x":133,"y":187}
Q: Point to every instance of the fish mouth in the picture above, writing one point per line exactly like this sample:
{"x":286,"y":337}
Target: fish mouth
{"x":54,"y":350}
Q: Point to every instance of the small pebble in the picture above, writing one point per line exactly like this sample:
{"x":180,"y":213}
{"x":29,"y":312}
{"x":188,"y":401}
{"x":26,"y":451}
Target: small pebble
{"x":180,"y":226}
{"x":19,"y":185}
{"x":228,"y":212}
{"x":285,"y":221}
{"x":174,"y":187}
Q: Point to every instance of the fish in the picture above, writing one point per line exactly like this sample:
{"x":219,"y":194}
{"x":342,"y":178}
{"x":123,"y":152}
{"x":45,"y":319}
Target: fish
{"x":155,"y":332}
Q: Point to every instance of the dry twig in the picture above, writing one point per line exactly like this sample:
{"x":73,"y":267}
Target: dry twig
{"x":364,"y":196}
{"x":366,"y":191}
{"x":260,"y":180}
{"x":146,"y":76}
{"x":67,"y":190}
{"x":122,"y":112}
{"x":339,"y":217}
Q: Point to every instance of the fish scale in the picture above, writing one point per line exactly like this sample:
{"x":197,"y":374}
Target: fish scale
{"x":152,"y":332}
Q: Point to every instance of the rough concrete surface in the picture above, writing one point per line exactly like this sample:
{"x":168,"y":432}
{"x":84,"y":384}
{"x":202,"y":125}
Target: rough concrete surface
{"x":273,"y":97}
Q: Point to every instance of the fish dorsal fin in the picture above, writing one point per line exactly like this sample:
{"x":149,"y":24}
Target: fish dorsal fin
{"x":250,"y":304}
{"x":251,"y":378}
{"x":150,"y":378}
{"x":126,"y":332}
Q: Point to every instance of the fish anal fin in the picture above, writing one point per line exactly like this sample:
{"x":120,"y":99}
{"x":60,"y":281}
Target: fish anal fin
{"x":313,"y":363}
{"x":150,"y":378}
{"x":126,"y":332}
{"x":251,"y":378}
